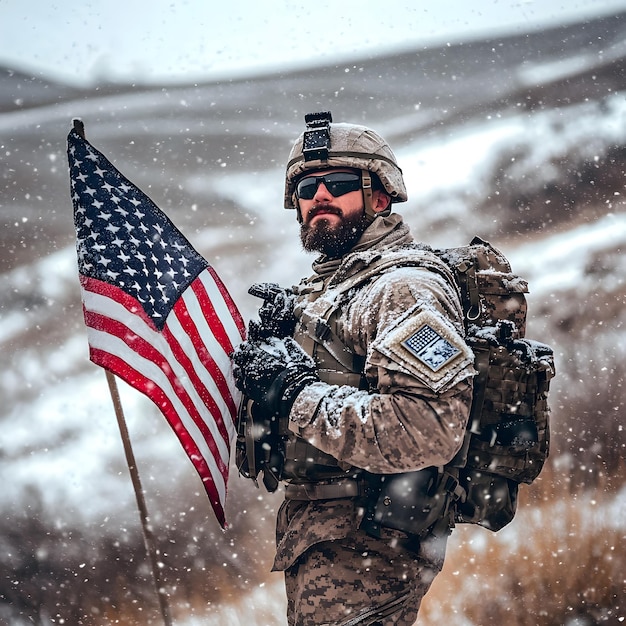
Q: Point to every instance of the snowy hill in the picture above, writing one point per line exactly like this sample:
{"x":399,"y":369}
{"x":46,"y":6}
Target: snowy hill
{"x":521,"y":140}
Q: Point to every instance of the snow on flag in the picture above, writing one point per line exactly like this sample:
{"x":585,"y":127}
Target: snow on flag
{"x":157,"y":314}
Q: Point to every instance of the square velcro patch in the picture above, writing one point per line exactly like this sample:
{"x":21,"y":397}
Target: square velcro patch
{"x":428,"y":347}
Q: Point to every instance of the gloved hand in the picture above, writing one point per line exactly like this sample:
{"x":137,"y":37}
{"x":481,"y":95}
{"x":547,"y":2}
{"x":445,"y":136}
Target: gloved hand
{"x":272,"y":373}
{"x":276,"y":313}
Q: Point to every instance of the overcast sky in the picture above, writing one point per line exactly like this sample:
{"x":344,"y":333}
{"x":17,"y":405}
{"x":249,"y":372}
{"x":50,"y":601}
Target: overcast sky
{"x":164,"y":40}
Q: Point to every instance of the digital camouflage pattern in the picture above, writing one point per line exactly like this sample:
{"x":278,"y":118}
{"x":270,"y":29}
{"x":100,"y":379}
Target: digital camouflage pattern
{"x":408,"y":419}
{"x":360,"y":579}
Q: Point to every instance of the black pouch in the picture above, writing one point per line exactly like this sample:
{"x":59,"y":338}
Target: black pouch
{"x":259,"y":447}
{"x":411,"y":502}
{"x":491,"y":500}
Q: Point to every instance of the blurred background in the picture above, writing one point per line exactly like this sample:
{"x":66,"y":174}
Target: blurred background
{"x":509,"y":121}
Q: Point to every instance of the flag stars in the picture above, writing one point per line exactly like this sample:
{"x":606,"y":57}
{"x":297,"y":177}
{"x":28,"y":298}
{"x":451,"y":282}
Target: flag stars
{"x":125,"y":240}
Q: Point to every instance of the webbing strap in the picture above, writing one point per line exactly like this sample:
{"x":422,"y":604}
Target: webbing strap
{"x":347,"y":488}
{"x":366,"y":187}
{"x":481,"y":363}
{"x":250,"y":434}
{"x":319,"y":330}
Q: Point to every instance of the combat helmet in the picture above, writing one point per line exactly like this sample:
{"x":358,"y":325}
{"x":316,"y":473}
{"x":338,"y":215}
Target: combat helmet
{"x":326,"y":145}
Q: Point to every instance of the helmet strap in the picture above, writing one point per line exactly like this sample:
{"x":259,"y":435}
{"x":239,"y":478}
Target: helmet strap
{"x":366,"y":185}
{"x":368,"y":199}
{"x":296,"y":203}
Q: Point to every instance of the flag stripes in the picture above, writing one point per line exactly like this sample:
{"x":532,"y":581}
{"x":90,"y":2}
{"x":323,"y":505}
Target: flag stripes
{"x":174,"y":367}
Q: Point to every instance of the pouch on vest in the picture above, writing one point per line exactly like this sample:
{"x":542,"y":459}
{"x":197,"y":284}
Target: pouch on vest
{"x":260,"y":446}
{"x":411,"y":502}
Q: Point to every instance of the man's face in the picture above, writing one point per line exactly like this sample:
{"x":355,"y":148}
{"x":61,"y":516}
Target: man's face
{"x":332,"y":225}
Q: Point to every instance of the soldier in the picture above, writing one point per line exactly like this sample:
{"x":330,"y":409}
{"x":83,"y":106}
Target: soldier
{"x":357,"y":386}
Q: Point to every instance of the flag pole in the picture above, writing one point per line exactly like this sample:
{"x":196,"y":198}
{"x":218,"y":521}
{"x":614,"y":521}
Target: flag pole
{"x":148,"y":536}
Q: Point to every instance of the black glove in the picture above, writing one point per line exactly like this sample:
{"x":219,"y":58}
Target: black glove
{"x":273,"y":373}
{"x":276,"y":313}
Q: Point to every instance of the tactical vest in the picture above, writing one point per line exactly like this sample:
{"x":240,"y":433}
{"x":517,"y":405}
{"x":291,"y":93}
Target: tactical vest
{"x":417,"y":502}
{"x":336,"y":365}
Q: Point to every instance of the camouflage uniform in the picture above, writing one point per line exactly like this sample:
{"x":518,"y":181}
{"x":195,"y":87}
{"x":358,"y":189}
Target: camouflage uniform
{"x":412,"y":416}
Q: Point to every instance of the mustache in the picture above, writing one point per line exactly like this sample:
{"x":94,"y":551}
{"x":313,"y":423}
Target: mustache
{"x":323,"y":208}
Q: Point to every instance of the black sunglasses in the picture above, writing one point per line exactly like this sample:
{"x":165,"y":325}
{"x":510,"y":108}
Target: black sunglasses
{"x":337,"y":183}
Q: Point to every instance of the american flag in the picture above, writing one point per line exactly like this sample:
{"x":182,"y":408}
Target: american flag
{"x":157,"y":314}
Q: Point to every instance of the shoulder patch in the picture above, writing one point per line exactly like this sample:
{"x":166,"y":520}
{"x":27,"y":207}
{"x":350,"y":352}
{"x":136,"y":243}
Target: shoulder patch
{"x":428,"y":348}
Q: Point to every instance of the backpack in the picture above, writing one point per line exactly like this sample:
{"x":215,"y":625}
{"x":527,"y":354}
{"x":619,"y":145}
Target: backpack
{"x":508,"y":436}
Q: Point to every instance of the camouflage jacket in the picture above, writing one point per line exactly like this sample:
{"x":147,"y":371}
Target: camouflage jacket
{"x":405,"y":322}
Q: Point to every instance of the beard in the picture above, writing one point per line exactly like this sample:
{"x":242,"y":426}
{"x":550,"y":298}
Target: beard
{"x":332,"y":239}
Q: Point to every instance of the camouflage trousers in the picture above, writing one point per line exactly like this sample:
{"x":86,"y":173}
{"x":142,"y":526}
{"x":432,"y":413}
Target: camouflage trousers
{"x":360,"y":580}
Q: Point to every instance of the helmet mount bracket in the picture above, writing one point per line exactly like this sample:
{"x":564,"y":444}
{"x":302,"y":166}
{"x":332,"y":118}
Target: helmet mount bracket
{"x":316,"y":140}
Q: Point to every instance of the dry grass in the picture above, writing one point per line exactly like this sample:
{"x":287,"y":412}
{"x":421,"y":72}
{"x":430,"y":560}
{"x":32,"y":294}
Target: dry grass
{"x":560,"y":562}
